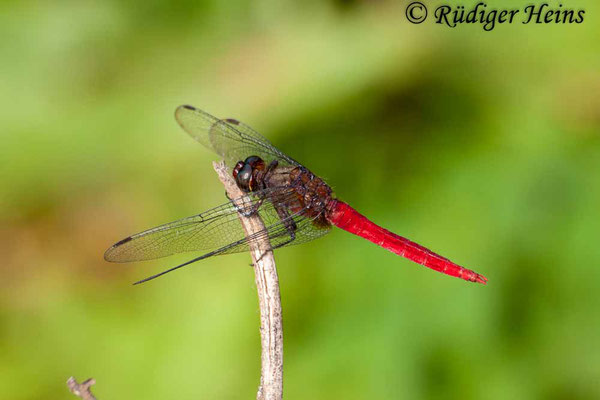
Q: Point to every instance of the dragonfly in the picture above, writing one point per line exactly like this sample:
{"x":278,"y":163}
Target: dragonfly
{"x":295,"y":205}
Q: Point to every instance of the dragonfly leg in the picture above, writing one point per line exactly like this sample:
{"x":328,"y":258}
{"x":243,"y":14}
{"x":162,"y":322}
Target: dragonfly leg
{"x":246,"y":211}
{"x":290,"y":226}
{"x":292,"y":233}
{"x":272,"y":165}
{"x":261,"y":257}
{"x":252,"y":210}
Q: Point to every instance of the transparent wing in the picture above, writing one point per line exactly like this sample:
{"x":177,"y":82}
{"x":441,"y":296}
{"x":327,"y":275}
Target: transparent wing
{"x":229,"y":138}
{"x":219,"y":230}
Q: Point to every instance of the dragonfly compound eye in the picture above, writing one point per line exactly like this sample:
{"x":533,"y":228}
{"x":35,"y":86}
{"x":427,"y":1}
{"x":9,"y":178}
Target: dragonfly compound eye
{"x":255,"y":162}
{"x":237,"y":168}
{"x":244,"y":177}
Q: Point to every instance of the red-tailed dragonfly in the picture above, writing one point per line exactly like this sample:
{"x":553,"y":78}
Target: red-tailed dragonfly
{"x":294,"y":204}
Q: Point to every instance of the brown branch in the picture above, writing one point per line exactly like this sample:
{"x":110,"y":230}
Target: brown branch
{"x":81,"y":389}
{"x":269,"y":299}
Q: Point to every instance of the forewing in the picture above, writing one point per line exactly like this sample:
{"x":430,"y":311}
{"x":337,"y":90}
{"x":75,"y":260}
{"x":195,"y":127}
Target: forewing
{"x":229,"y":138}
{"x":219,"y":230}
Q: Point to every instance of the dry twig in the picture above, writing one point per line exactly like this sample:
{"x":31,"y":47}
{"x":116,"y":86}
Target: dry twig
{"x":267,"y":285}
{"x":81,"y":389}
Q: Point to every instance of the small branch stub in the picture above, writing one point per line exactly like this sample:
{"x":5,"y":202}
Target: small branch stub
{"x":81,"y":389}
{"x":269,"y":299}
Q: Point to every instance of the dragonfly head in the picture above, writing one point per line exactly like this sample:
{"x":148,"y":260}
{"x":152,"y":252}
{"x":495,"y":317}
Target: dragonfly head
{"x":245,"y":172}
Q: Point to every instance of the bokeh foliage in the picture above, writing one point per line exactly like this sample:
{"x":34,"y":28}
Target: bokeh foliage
{"x":484,"y":146}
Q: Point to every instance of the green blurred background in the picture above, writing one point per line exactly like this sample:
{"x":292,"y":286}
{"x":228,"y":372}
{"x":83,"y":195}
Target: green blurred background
{"x":484,"y":146}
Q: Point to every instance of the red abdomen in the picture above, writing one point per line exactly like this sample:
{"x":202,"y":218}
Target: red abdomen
{"x":347,"y":218}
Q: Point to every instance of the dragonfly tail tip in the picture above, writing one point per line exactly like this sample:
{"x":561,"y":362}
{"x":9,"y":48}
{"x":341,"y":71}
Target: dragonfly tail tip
{"x":480,"y":279}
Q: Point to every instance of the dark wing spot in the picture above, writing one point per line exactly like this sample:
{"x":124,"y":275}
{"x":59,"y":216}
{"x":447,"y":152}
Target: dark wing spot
{"x":189,"y":107}
{"x":232,"y":121}
{"x":120,"y":242}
